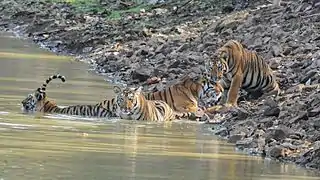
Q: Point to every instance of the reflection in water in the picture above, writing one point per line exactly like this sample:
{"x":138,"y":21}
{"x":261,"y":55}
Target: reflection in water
{"x":60,"y":147}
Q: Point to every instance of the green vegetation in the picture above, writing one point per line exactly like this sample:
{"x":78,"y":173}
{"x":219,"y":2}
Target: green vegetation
{"x":116,"y":14}
{"x":95,"y":7}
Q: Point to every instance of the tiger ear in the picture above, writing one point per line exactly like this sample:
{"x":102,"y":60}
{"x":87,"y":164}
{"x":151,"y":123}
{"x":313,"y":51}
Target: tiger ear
{"x":139,"y":90}
{"x":117,"y":89}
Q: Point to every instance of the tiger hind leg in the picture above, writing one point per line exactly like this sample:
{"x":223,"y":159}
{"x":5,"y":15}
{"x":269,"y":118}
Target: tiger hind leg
{"x":193,"y":116}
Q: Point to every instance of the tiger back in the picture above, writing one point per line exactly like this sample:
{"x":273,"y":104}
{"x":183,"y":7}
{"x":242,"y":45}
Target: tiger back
{"x":39,"y":102}
{"x":237,"y":67}
{"x":185,"y":95}
{"x":133,"y":105}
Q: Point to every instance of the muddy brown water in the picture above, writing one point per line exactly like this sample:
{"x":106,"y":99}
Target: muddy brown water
{"x":61,"y":147}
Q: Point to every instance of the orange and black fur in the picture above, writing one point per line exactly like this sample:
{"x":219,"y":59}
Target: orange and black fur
{"x":38,"y":102}
{"x":133,"y":105}
{"x":185,"y":95}
{"x":237,"y":67}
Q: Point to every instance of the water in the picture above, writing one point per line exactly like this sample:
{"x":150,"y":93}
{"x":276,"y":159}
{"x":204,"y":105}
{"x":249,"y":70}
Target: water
{"x":60,"y":147}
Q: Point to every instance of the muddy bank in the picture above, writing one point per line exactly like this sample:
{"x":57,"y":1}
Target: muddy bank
{"x":171,"y":39}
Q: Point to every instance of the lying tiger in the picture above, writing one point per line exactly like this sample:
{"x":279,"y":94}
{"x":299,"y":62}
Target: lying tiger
{"x":185,"y":95}
{"x":237,"y":67}
{"x":38,"y":102}
{"x":134,"y":106}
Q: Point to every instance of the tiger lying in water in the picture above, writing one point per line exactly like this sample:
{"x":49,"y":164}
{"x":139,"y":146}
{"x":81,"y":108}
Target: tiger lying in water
{"x":237,"y":67}
{"x":133,"y":105}
{"x":185,"y":95}
{"x":39,"y":102}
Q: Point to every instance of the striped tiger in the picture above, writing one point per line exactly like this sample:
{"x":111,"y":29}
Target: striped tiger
{"x":38,"y":102}
{"x":237,"y":67}
{"x":185,"y":95}
{"x":134,"y":106}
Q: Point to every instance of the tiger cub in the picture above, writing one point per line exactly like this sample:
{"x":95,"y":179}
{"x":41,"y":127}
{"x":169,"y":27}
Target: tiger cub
{"x":39,"y":102}
{"x":132,"y":104}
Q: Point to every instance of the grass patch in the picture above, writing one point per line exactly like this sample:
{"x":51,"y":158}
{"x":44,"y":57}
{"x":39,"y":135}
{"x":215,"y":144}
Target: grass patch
{"x":94,"y":7}
{"x":116,"y":14}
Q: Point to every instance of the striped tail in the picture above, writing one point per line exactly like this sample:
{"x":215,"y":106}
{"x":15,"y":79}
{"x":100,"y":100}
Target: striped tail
{"x":42,"y":89}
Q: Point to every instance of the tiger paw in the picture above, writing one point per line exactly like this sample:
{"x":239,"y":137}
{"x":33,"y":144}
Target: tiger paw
{"x":204,"y":118}
{"x":213,"y":109}
{"x":228,"y":108}
{"x":200,"y":115}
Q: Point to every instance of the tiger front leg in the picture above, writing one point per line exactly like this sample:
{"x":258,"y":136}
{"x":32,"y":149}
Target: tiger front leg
{"x":191,"y":108}
{"x":234,"y":91}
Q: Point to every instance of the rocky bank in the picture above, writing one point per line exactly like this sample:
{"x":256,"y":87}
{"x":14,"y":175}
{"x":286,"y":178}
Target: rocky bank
{"x":168,"y":40}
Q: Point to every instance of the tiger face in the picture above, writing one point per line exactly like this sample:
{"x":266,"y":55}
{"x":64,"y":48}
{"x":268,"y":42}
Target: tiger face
{"x":126,"y":99}
{"x":219,"y":66}
{"x":218,"y":69}
{"x":212,"y":96}
{"x":29,"y":104}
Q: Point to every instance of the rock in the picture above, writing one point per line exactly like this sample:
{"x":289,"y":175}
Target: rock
{"x":316,"y":145}
{"x":272,"y":111}
{"x":276,"y":49}
{"x":221,"y":132}
{"x":236,"y":137}
{"x":316,"y":124}
{"x":142,"y":74}
{"x":301,"y":116}
{"x":244,"y":143}
{"x":242,"y":114}
{"x":289,"y":146}
{"x":174,"y":64}
{"x":268,"y":122}
{"x":276,"y":152}
{"x":274,"y":63}
{"x":278,"y":134}
{"x":308,"y":76}
{"x":314,"y":112}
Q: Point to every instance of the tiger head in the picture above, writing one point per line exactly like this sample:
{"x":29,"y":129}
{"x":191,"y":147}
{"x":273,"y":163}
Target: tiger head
{"x":218,"y":69}
{"x":211,"y":91}
{"x":219,"y":66}
{"x":212,"y":96}
{"x":35,"y":99}
{"x":127,"y":99}
{"x":29,"y":104}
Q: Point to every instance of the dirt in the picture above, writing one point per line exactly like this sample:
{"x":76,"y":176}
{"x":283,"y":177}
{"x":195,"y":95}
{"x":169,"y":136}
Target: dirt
{"x":172,"y":39}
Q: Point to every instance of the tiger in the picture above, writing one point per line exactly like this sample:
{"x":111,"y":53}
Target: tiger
{"x":133,"y":105}
{"x":186,"y":95}
{"x":236,"y":67}
{"x":38,"y":102}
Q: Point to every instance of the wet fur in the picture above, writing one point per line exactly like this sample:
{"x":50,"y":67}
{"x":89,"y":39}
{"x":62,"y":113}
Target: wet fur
{"x":184,"y":96}
{"x":133,"y":105}
{"x":39,"y":102}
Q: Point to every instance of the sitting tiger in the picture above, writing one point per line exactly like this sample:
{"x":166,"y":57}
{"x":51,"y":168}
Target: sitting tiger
{"x":134,"y":106}
{"x":185,"y":95}
{"x":38,"y":102}
{"x":237,"y":67}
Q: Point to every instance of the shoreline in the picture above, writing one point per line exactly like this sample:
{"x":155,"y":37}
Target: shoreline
{"x":157,"y":43}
